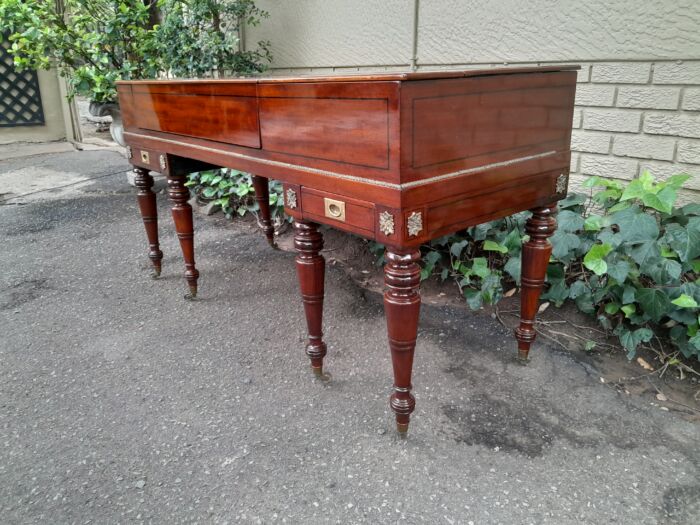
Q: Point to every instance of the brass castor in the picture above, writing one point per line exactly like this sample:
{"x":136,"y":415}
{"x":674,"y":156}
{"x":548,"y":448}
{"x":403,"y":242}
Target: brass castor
{"x":402,"y":429}
{"x":155,"y":274}
{"x":522,"y":358}
{"x":320,"y":375}
{"x":192,"y":295}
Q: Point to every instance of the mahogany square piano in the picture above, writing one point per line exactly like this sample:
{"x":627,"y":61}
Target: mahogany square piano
{"x":400,"y":158}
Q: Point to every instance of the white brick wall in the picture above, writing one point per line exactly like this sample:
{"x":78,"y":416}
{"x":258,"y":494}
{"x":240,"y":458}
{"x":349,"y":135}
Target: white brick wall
{"x":638,"y":90}
{"x":637,"y":116}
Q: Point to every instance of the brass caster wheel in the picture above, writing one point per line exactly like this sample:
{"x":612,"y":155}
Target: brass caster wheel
{"x":192,"y":295}
{"x":320,"y":375}
{"x":402,"y":430}
{"x":522,"y":359}
{"x":155,"y":275}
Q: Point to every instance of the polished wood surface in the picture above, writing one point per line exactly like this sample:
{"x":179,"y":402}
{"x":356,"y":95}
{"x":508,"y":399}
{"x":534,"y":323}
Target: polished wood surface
{"x":535,"y":258}
{"x":311,"y":269}
{"x":400,"y":158}
{"x":149,"y":213}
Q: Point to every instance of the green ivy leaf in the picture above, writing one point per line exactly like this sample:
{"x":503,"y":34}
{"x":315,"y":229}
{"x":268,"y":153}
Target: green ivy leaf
{"x":564,"y":244}
{"x":654,"y":302}
{"x":619,"y":270}
{"x":569,"y":221}
{"x":491,"y":246}
{"x":473,"y":298}
{"x":629,"y":310}
{"x":594,"y":259}
{"x":457,"y":247}
{"x":480,"y":267}
{"x":512,"y":267}
{"x":636,"y":226}
{"x":662,"y":201}
{"x":685,"y":301}
{"x":612,"y":308}
{"x":630,"y":339}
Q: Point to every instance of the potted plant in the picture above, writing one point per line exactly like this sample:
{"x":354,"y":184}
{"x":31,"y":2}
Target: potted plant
{"x":93,"y":43}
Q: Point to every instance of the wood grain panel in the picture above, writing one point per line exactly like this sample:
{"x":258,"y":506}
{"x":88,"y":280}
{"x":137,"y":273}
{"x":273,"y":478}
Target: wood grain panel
{"x":463,"y":123}
{"x":223,"y":118}
{"x":349,"y":131}
{"x":457,"y":214}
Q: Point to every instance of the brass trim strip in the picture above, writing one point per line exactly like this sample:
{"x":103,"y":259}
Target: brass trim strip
{"x":353,"y":178}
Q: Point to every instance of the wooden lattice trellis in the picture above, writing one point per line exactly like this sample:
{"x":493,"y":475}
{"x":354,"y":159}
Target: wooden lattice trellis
{"x":20,"y":98}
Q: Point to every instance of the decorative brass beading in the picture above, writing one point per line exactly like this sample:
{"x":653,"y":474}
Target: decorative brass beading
{"x":415,"y":223}
{"x":291,"y":198}
{"x":562,"y":181}
{"x":129,"y":153}
{"x":386,"y":223}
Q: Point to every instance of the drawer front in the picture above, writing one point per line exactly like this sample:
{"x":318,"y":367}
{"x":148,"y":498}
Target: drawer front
{"x":338,"y":211}
{"x":221,"y":116}
{"x":149,"y":159}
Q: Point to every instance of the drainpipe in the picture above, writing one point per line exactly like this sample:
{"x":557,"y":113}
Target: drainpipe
{"x":414,"y":51}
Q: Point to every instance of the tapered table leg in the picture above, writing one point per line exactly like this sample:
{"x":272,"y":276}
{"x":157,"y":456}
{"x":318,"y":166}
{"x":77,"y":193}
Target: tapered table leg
{"x":535,"y":258}
{"x":311,"y":265}
{"x":262,"y":197}
{"x":402,"y":308}
{"x":149,"y":214}
{"x":182,"y":215}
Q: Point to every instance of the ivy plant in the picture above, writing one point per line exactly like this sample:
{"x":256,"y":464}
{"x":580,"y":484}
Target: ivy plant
{"x":233,"y":192}
{"x":624,"y":254}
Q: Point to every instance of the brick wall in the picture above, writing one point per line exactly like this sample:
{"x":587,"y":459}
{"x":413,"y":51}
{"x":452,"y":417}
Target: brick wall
{"x":635,"y":116}
{"x":638,"y":98}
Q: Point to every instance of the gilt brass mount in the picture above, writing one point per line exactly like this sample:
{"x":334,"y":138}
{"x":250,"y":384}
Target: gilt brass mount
{"x":334,"y":209}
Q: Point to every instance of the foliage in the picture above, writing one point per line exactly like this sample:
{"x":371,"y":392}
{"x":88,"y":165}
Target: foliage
{"x":100,"y":42}
{"x":624,"y":255}
{"x":233,"y":191}
{"x":201,"y":37}
{"x":94,"y":43}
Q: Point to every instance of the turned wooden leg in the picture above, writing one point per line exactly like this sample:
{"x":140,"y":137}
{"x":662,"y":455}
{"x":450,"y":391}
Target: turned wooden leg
{"x":402,"y":307}
{"x":182,"y":215}
{"x":311,"y":265}
{"x":149,"y":214}
{"x":535,"y":258}
{"x":262,"y":197}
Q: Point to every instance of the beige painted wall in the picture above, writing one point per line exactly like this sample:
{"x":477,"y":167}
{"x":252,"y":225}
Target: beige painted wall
{"x":55,"y":117}
{"x":638,"y":101}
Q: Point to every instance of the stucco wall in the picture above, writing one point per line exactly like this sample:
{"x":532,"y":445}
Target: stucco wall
{"x":638,"y":100}
{"x":55,"y":124}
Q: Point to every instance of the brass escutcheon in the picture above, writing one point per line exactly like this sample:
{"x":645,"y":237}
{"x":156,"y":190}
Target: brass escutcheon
{"x":145,"y":158}
{"x":334,"y":209}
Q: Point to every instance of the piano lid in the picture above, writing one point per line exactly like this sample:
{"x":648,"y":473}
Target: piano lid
{"x":378,"y":76}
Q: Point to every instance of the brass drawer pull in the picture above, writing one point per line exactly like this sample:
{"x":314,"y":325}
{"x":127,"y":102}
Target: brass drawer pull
{"x":334,"y":209}
{"x":145,"y":157}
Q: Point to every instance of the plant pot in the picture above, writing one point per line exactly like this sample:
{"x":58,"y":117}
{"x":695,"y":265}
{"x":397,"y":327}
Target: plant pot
{"x":116,"y":128}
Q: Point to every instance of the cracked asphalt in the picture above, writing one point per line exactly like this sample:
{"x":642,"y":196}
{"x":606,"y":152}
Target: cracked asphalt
{"x":120,"y":402}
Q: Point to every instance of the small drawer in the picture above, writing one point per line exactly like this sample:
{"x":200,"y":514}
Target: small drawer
{"x":147,"y":159}
{"x":337,"y":210}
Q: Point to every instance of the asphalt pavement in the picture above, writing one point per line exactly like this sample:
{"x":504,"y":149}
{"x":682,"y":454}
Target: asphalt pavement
{"x":120,"y":402}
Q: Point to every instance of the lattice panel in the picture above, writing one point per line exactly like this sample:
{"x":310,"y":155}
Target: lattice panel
{"x":20,"y":98}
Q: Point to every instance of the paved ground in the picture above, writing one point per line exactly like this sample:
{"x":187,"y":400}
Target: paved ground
{"x":121,"y":402}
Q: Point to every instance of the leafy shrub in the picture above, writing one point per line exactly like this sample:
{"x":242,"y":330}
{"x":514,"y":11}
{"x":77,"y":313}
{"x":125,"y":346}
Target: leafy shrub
{"x":99,"y":42}
{"x":94,"y":43}
{"x":200,"y":38}
{"x":233,"y":191}
{"x":623,"y":254}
